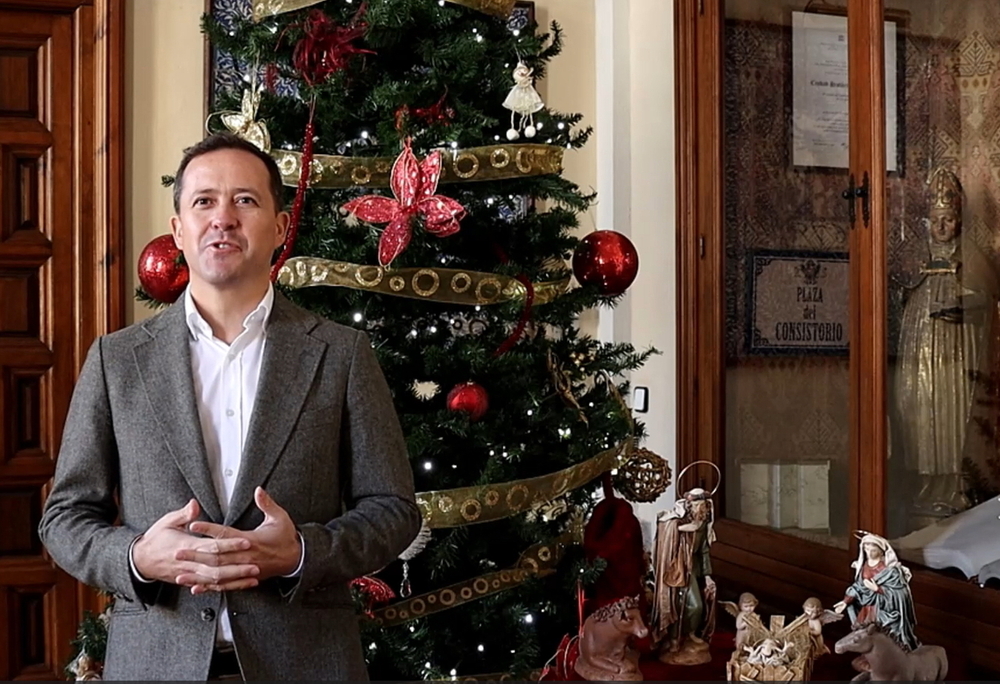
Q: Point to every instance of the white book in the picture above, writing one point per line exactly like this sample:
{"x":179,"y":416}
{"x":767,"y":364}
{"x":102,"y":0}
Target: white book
{"x":968,"y":541}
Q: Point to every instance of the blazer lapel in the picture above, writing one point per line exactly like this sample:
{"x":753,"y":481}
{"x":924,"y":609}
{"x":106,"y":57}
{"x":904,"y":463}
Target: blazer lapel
{"x":291,"y":359}
{"x":163,"y":363}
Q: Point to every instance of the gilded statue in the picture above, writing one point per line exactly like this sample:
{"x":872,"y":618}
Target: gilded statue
{"x":942,"y":343}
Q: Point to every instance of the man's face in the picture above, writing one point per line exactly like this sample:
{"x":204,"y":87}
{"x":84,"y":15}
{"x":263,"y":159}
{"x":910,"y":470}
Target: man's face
{"x":944,"y":224}
{"x":227,"y":225}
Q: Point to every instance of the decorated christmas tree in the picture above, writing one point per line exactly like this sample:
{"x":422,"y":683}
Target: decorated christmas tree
{"x":435,"y":217}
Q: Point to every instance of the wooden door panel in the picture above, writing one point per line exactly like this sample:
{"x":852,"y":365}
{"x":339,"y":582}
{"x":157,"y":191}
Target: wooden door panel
{"x":32,"y":47}
{"x":57,"y":118}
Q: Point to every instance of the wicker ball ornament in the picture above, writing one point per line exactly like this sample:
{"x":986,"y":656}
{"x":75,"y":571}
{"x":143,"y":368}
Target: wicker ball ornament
{"x":644,"y":477}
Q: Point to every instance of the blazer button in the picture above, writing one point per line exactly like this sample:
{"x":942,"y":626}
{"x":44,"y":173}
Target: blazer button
{"x":207,"y":614}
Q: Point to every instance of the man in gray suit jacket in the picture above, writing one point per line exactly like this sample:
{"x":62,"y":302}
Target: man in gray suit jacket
{"x":249,"y":449}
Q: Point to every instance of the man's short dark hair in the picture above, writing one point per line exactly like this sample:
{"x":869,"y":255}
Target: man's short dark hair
{"x":227,"y":141}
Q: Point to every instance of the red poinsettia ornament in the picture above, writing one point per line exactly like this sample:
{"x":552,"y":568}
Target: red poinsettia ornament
{"x":373,"y":592}
{"x":414,"y":185}
{"x":325,"y":48}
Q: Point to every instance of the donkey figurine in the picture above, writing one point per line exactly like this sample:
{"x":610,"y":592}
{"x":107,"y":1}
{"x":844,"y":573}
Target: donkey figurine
{"x":890,"y":663}
{"x":605,"y":654}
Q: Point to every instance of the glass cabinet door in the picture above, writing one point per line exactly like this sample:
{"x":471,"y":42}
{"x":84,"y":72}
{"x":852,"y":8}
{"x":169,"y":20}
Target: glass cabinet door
{"x":943,"y":235}
{"x":787,"y":268}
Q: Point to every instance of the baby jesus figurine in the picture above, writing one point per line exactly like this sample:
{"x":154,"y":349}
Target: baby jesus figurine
{"x":813,"y":611}
{"x":746,"y":617}
{"x":771,"y":652}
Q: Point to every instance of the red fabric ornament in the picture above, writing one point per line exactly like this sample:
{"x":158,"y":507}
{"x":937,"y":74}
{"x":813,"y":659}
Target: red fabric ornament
{"x":300,"y":197}
{"x":326,"y":47}
{"x":162,"y":271}
{"x":470,"y":398}
{"x":614,"y":534}
{"x":437,"y":113}
{"x":606,"y":259}
{"x":373,"y":592}
{"x":414,"y":184}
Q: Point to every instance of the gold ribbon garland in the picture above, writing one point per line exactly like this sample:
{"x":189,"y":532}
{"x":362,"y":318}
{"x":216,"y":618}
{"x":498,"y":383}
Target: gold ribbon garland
{"x":444,"y":285}
{"x":487,"y":163}
{"x":538,"y":560}
{"x":498,"y":8}
{"x":486,"y":503}
{"x":270,"y":8}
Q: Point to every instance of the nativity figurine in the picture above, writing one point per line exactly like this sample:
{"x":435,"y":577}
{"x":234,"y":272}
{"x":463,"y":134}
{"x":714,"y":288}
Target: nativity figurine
{"x":605,"y":652}
{"x":684,"y":595}
{"x":745,"y":612}
{"x":881,"y":592}
{"x":887,"y":662}
{"x":771,"y":652}
{"x":816,"y":616}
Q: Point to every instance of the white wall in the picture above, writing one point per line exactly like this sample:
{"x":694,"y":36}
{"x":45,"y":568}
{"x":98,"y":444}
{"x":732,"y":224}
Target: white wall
{"x":164,"y":85}
{"x":635,"y":94}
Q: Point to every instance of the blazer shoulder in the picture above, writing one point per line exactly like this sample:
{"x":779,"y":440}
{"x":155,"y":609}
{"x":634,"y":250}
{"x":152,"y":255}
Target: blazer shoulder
{"x":337,"y":333}
{"x":131,"y":335}
{"x":323,"y":328}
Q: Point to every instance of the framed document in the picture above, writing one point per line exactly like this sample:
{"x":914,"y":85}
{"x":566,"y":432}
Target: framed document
{"x":820,"y":89}
{"x":797,"y":302}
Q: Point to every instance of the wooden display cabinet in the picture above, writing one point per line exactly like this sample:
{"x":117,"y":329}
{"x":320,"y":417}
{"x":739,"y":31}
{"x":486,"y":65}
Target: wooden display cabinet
{"x":742,"y":95}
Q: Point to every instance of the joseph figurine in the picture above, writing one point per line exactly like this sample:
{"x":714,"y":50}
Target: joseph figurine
{"x":943,"y":342}
{"x":683,"y":614}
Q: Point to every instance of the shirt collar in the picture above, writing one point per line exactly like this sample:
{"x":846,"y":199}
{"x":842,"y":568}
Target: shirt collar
{"x":199,"y":327}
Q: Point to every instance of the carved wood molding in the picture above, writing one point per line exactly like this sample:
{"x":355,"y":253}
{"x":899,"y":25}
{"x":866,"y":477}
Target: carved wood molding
{"x":48,"y":5}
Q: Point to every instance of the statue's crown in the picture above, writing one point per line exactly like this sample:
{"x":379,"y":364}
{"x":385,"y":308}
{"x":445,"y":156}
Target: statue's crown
{"x":946,"y":191}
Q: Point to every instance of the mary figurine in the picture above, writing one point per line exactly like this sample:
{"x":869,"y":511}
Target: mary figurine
{"x":881,"y":592}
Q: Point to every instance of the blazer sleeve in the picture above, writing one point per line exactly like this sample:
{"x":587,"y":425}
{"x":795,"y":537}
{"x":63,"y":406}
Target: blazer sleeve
{"x":382,"y":516}
{"x":78,"y":522}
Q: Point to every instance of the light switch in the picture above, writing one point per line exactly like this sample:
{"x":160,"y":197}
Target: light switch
{"x":640,"y":399}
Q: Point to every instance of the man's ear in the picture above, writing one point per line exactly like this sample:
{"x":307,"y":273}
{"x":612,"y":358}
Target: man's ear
{"x":282,"y":222}
{"x":176,"y":229}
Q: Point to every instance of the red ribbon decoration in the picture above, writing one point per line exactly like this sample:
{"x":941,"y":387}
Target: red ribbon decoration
{"x":529,"y":300}
{"x":326,"y":47}
{"x":413,"y":184}
{"x":300,"y":197}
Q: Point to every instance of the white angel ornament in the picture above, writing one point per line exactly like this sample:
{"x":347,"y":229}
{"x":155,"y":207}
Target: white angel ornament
{"x":523,"y":99}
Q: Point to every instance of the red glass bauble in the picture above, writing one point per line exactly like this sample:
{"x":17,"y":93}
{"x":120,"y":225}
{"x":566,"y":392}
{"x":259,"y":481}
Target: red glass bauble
{"x":606,"y":259}
{"x":162,"y":271}
{"x":470,"y":398}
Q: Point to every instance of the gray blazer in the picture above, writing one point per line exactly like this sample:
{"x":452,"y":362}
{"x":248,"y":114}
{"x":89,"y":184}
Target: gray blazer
{"x":324,"y":441}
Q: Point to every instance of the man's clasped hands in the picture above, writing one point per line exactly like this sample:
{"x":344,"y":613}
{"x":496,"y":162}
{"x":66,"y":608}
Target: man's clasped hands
{"x":180,"y":549}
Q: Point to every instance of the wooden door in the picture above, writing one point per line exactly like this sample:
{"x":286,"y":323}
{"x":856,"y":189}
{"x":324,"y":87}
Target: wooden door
{"x":60,"y":286}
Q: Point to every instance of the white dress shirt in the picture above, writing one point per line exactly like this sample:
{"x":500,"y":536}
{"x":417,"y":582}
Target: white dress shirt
{"x":225,"y":387}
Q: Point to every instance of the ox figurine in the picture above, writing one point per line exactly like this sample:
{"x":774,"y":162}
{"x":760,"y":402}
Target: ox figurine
{"x":888,"y":662}
{"x":605,"y":654}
